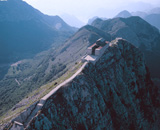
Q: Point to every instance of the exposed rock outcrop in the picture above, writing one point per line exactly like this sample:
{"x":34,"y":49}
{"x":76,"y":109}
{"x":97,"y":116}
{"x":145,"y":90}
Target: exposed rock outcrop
{"x":115,"y":93}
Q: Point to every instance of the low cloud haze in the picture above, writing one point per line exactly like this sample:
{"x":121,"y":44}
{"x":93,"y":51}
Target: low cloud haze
{"x":84,"y":10}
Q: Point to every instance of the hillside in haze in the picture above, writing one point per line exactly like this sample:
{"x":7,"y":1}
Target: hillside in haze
{"x":25,"y":31}
{"x":155,"y":11}
{"x":153,"y":19}
{"x":123,"y":14}
{"x":72,"y":20}
{"x":152,"y":16}
{"x":139,"y":13}
{"x":94,"y":18}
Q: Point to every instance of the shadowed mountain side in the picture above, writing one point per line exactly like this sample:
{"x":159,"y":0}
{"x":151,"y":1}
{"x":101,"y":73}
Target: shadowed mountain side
{"x":23,"y":39}
{"x":25,"y":31}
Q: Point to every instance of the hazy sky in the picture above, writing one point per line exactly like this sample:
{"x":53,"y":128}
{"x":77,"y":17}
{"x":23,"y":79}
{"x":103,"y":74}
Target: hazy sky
{"x":84,"y":9}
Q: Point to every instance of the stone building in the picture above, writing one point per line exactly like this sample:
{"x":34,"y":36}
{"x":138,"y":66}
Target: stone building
{"x":98,"y":47}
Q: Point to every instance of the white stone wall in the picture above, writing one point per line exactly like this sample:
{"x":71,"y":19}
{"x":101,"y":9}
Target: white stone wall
{"x":101,"y":53}
{"x":21,"y":118}
{"x":24,"y":115}
{"x":98,"y":52}
{"x":17,"y":126}
{"x":89,"y":51}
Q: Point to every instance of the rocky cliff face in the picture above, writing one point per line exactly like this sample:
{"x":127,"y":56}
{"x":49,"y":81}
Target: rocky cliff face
{"x":115,"y":93}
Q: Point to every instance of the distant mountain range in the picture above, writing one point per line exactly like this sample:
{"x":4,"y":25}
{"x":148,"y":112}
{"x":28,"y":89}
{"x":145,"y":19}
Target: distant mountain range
{"x":154,"y":11}
{"x":25,"y":31}
{"x":72,"y":20}
{"x":152,"y":16}
{"x":123,"y":14}
{"x":139,"y":13}
{"x":94,"y":18}
{"x":153,"y":19}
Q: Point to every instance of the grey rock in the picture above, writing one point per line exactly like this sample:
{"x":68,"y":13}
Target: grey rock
{"x":115,"y":93}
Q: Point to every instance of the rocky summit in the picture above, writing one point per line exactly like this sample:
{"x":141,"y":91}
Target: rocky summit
{"x":140,"y":33}
{"x":115,"y":93}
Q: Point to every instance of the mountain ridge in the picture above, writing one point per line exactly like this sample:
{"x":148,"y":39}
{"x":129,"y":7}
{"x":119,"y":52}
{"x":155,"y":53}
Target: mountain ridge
{"x":57,"y":61}
{"x":98,"y":93}
{"x":152,"y":16}
{"x":140,"y":33}
{"x":123,"y":14}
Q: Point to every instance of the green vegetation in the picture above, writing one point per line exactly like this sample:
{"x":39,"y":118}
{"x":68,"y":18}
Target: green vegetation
{"x":44,"y":68}
{"x":30,"y":78}
{"x":24,"y":33}
{"x":37,"y":94}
